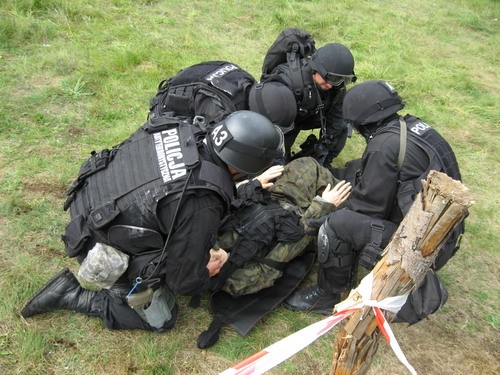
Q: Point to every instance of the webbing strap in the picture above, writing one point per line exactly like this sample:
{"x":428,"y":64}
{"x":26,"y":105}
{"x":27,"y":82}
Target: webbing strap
{"x":402,"y":143}
{"x":377,"y":232}
{"x":378,"y":106}
{"x":294,"y":63}
{"x":280,"y":266}
{"x":224,"y":85}
{"x":343,"y":260}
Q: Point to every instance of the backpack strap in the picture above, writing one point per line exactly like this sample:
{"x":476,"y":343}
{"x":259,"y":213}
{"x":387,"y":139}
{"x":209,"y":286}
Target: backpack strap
{"x":293,"y":60}
{"x":402,"y":143}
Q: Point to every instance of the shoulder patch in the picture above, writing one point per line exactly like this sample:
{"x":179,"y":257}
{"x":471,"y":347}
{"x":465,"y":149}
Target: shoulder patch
{"x":419,"y":127}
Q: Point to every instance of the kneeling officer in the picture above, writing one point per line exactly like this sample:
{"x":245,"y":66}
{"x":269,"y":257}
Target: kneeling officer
{"x":144,"y":218}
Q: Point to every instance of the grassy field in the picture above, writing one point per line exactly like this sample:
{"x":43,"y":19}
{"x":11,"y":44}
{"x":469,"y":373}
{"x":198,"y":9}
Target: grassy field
{"x":77,"y":76}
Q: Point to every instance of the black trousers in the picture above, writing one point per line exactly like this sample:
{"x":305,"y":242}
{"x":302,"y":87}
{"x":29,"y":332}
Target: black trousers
{"x":349,"y":232}
{"x":115,"y":313}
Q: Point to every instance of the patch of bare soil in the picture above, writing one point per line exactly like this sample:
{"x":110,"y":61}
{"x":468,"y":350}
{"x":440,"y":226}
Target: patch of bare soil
{"x":45,"y":188}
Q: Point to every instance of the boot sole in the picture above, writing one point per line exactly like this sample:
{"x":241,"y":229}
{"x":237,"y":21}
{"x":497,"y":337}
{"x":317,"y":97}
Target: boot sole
{"x":316,"y":311}
{"x":64,"y":271}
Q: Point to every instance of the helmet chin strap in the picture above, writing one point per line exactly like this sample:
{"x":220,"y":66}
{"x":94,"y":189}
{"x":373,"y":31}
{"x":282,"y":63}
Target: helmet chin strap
{"x":367,"y":135}
{"x":368,"y":131}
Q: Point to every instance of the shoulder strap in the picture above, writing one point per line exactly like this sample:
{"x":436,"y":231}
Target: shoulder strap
{"x":293,"y":59}
{"x":402,"y":143}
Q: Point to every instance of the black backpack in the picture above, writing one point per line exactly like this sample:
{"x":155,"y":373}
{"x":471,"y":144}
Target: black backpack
{"x":224,"y":83}
{"x":290,"y":46}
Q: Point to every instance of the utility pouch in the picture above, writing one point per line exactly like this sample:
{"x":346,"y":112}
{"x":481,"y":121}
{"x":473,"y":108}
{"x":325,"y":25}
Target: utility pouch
{"x":427,"y":297}
{"x":370,"y":255}
{"x":103,"y":215}
{"x":156,"y":307}
{"x":76,"y":236}
{"x":140,"y":299}
{"x":372,"y":252}
{"x":225,"y":86}
{"x":179,"y":99}
{"x":134,"y":240}
{"x":103,"y":265}
{"x":97,"y":161}
{"x":289,"y":229}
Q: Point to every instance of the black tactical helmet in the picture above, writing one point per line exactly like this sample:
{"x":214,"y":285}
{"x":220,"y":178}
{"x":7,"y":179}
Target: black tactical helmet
{"x":370,"y":102}
{"x":247,"y":141}
{"x":275,"y":101}
{"x":334,"y":63}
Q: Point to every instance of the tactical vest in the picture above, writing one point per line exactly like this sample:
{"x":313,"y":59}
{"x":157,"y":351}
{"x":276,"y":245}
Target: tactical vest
{"x":440,"y":154}
{"x":441,"y":148}
{"x":442,"y":159}
{"x":310,"y":100}
{"x":123,"y":186}
{"x":225,"y":82}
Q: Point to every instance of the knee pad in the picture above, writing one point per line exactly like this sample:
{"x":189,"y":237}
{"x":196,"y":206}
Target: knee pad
{"x":332,"y":250}
{"x":336,"y":261}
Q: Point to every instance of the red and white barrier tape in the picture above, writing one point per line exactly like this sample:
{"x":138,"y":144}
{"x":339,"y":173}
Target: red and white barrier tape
{"x":280,"y":351}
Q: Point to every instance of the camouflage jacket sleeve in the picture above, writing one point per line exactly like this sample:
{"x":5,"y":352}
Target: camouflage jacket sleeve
{"x":318,"y":208}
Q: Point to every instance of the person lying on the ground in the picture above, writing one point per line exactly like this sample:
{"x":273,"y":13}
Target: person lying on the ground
{"x":270,"y":227}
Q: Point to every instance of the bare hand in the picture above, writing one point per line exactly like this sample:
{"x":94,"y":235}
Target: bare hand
{"x":338,"y":194}
{"x":217,"y":260}
{"x":268,"y":175}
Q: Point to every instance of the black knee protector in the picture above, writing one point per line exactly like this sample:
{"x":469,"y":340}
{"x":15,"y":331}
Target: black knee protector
{"x":336,"y":260}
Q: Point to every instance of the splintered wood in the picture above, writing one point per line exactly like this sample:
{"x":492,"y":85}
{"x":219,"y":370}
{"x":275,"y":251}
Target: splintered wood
{"x":415,"y":245}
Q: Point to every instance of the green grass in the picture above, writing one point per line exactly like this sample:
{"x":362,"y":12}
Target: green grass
{"x":77,"y":76}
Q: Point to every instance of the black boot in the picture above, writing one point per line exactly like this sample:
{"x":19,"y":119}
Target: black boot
{"x":312,"y":299}
{"x":62,"y":292}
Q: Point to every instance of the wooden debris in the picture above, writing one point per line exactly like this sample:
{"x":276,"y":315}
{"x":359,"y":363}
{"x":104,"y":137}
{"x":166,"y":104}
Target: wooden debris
{"x":415,"y":245}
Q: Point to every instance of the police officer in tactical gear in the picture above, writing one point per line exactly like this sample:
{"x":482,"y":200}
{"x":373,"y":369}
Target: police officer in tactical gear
{"x":158,"y":198}
{"x":319,"y":88}
{"x":215,"y":89}
{"x":400,"y":153}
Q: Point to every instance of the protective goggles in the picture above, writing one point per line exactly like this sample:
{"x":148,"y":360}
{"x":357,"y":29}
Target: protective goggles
{"x":336,"y":80}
